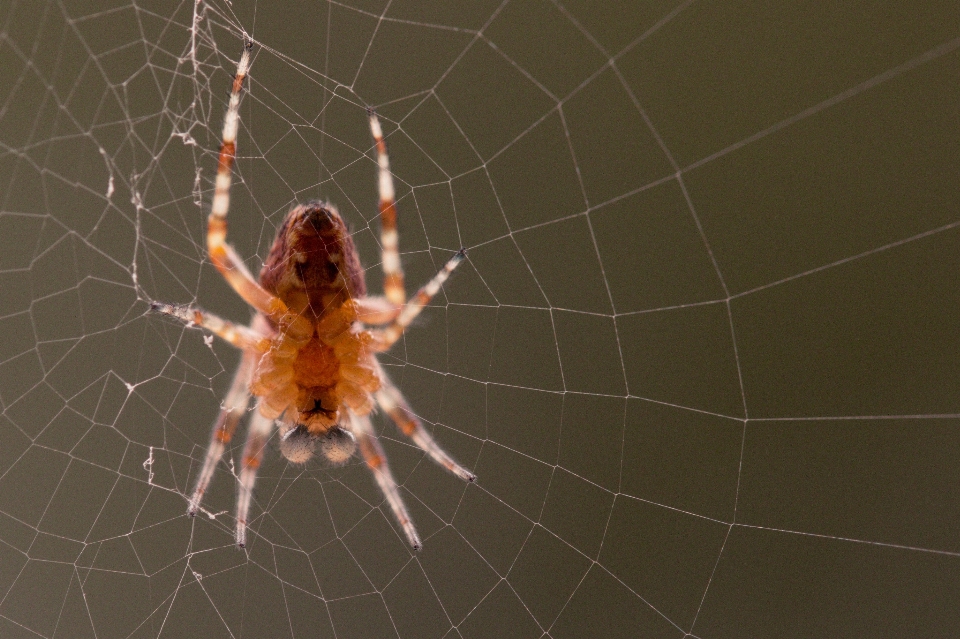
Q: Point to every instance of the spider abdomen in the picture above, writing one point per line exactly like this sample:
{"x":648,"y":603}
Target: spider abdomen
{"x":313,"y":264}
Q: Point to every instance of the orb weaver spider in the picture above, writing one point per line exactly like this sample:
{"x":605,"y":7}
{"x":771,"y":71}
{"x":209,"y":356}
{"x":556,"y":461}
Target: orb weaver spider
{"x":308,"y":357}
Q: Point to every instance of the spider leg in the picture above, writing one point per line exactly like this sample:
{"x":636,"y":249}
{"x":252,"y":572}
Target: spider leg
{"x":395,"y":405}
{"x":231,"y":411}
{"x":376,"y":460}
{"x":223,"y":256}
{"x":376,"y":310}
{"x":393,"y":287}
{"x":234,"y":334}
{"x":257,"y":435}
{"x":388,"y":335}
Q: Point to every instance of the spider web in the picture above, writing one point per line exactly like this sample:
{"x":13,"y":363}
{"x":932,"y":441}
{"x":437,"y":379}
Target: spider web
{"x":703,"y":356}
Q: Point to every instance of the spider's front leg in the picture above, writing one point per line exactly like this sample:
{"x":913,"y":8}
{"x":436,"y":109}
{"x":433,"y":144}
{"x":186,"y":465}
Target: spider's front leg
{"x":376,"y":460}
{"x":393,"y":283}
{"x":395,"y":405}
{"x":257,"y":435}
{"x":388,"y":335}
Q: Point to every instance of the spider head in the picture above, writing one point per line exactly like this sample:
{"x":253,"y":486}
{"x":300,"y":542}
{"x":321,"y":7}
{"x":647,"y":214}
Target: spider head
{"x":313,"y":263}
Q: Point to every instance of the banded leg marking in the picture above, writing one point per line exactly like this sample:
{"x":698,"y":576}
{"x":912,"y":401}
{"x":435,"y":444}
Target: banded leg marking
{"x":388,"y":335}
{"x":395,"y":405}
{"x":222,"y":254}
{"x":376,"y":460}
{"x":234,"y":334}
{"x":231,"y":411}
{"x":393,"y":285}
{"x":257,"y":435}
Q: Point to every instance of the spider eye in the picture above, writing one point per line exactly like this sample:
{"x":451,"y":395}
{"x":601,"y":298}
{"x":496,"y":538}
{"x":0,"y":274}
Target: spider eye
{"x":297,"y":445}
{"x":338,"y":445}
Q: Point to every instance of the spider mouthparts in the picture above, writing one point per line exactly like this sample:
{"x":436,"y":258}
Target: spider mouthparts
{"x":462,"y":253}
{"x":297,"y":445}
{"x":338,"y":445}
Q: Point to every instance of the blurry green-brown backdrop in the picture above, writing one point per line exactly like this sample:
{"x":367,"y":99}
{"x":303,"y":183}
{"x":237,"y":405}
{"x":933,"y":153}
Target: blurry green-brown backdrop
{"x":704,"y":356}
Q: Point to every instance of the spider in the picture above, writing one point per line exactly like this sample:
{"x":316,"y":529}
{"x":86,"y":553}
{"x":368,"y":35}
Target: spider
{"x":307,"y":355}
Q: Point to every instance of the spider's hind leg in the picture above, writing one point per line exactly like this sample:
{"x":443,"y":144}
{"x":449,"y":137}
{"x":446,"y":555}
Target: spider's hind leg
{"x":393,"y":286}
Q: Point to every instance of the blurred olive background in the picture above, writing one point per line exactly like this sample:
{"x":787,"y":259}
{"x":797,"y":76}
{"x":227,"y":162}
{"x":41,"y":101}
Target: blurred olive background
{"x":704,"y":356}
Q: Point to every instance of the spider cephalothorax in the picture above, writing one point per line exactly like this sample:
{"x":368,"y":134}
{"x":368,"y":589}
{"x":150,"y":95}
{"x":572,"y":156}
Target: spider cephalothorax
{"x":308,"y":355}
